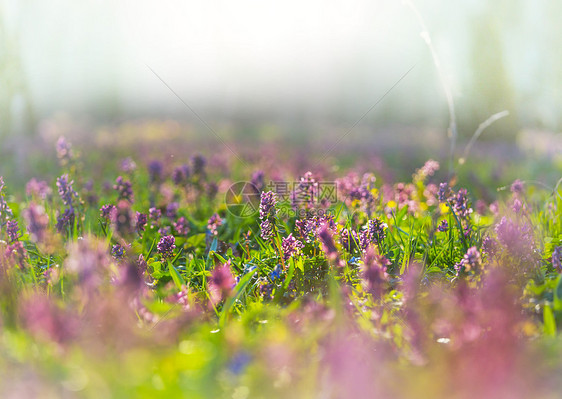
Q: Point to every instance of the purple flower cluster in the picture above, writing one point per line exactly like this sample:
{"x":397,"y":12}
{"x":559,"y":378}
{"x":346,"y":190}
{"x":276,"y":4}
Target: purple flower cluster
{"x":12,"y":230}
{"x":181,"y":226}
{"x":443,"y":226}
{"x":106,"y":211}
{"x":180,"y":175}
{"x":374,"y":272}
{"x":198,"y":163}
{"x":117,"y":251}
{"x":258,"y":180}
{"x":328,"y":245}
{"x":471,"y":262}
{"x":213,"y":224}
{"x":155,"y":170}
{"x":557,"y":258}
{"x":141,"y":221}
{"x":267,"y":214}
{"x":37,"y":221}
{"x":5,"y":211}
{"x":306,"y":191}
{"x":38,"y":188}
{"x":166,"y":246}
{"x":290,"y":247}
{"x":64,"y":150}
{"x":66,"y":191}
{"x":128,"y":165}
{"x":124,"y":189}
{"x":172,"y":210}
{"x":376,"y":229}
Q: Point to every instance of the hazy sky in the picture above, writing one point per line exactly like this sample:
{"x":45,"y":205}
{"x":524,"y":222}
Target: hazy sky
{"x":324,"y":59}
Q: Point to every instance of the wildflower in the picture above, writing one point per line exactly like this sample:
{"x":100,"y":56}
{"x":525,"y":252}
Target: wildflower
{"x":117,"y":251}
{"x":198,"y":163}
{"x":128,"y":165}
{"x":557,"y":258}
{"x":154,"y":214}
{"x":124,"y":189}
{"x":517,"y":187}
{"x":443,"y":226}
{"x":17,"y":251}
{"x":122,"y":219}
{"x":182,"y":226}
{"x":306,"y":191}
{"x":267,"y":205}
{"x":376,"y":229}
{"x":66,"y":192}
{"x":489,"y":246}
{"x":471,"y":261}
{"x":374,"y":272}
{"x":516,"y":206}
{"x":327,"y":240}
{"x":172,"y":210}
{"x":64,"y":150}
{"x":349,"y":240}
{"x":443,"y":192}
{"x":141,"y":221}
{"x":5,"y":211}
{"x":428,"y":169}
{"x":213,"y":223}
{"x":106,"y":211}
{"x":267,"y":229}
{"x":461,"y":204}
{"x":212,"y":190}
{"x":36,"y":220}
{"x":181,"y":174}
{"x":12,"y":230}
{"x":155,"y":169}
{"x":38,"y":188}
{"x":276,"y":273}
{"x":516,"y":237}
{"x":290,"y":247}
{"x":65,"y":220}
{"x":258,"y":181}
{"x":221,"y":282}
{"x":166,"y":246}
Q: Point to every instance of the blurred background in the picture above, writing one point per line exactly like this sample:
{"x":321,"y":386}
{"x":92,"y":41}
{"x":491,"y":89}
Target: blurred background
{"x":292,"y":69}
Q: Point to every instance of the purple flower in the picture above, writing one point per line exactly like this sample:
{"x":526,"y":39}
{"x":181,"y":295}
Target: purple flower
{"x":155,"y":169}
{"x":181,"y":174}
{"x":172,"y":210}
{"x":36,"y":220}
{"x":443,"y":226}
{"x":12,"y":230}
{"x":221,"y":282}
{"x":128,"y":165}
{"x":460,"y":203}
{"x":472,"y":261}
{"x":66,"y":192}
{"x":327,"y":240}
{"x":141,"y":221}
{"x":290,"y":247}
{"x":443,"y":192}
{"x":122,"y":218}
{"x":306,"y":191}
{"x":258,"y":180}
{"x":349,"y":240}
{"x":117,"y":251}
{"x":557,"y":258}
{"x":64,"y":150}
{"x":124,"y":189}
{"x":267,"y":229}
{"x":374,"y":272}
{"x":106,"y":211}
{"x":198,"y":163}
{"x":154,"y":214}
{"x":38,"y":188}
{"x":376,"y":229}
{"x":65,"y":220}
{"x":517,"y":187}
{"x":267,"y":205}
{"x":213,"y":223}
{"x":181,"y":226}
{"x":166,"y":246}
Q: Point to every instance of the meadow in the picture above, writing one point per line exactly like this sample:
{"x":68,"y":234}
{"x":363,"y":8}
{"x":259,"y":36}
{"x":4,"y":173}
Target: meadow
{"x":136,"y":264}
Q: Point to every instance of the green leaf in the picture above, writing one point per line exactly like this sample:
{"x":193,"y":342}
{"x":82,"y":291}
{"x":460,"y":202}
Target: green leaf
{"x":549,"y":321}
{"x":240,"y":287}
{"x":178,"y":280}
